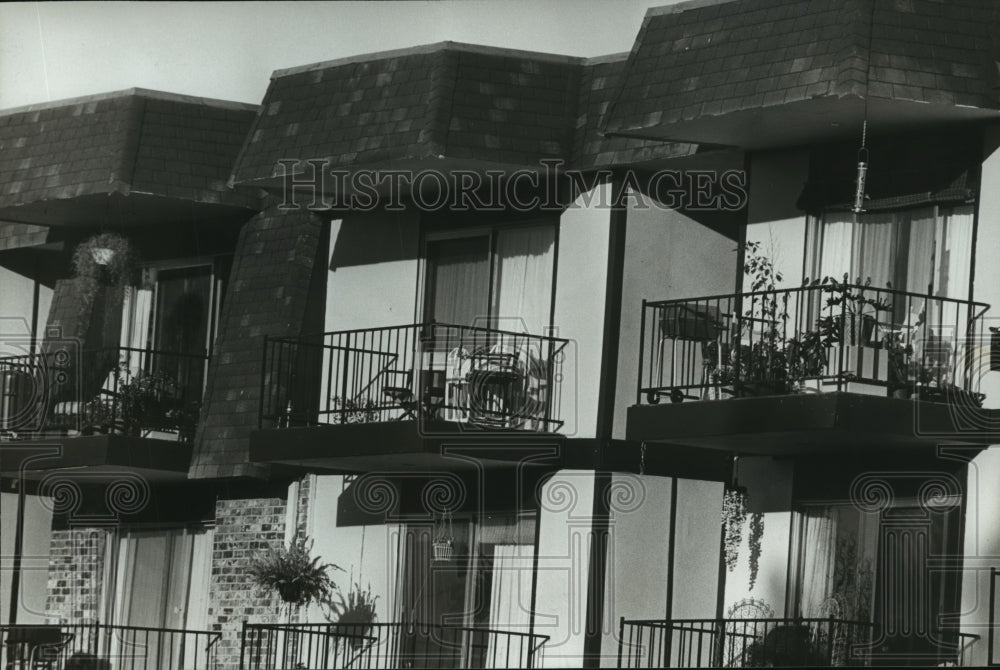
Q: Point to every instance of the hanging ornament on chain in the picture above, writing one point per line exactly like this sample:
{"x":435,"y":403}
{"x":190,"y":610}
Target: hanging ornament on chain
{"x":862,"y":176}
{"x":860,"y":180}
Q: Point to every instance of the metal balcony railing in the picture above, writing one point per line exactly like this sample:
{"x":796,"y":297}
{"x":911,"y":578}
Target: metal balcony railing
{"x":96,"y":646}
{"x":716,"y":643}
{"x":823,"y":336}
{"x":473,"y":376}
{"x":386,"y":645}
{"x":121,"y":391}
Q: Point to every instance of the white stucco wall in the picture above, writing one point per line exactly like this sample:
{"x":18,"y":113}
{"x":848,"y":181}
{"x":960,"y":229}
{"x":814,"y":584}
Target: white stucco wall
{"x":769,"y":489}
{"x":16,"y":298}
{"x":982,"y":520}
{"x":638,"y":568}
{"x":581,"y":278}
{"x":776,"y":180}
{"x":35,"y":556}
{"x":565,"y":535}
{"x":374,"y":282}
{"x":667,"y":255}
{"x":367,"y":555}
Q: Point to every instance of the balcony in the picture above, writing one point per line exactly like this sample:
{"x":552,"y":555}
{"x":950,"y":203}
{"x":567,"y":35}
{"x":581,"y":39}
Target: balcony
{"x":759,"y":643}
{"x":120,"y":406}
{"x":819,"y":365}
{"x":386,"y":645}
{"x":99,"y":646}
{"x":358,"y":397}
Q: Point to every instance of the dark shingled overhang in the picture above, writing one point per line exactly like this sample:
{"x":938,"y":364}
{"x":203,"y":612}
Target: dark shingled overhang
{"x":133,"y":157}
{"x":766,"y":73}
{"x":446,"y":106}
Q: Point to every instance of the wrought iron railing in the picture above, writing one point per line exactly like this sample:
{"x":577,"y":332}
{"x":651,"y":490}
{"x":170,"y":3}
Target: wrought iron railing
{"x":386,"y":645}
{"x":125,"y":391}
{"x":716,"y":643}
{"x":96,"y":646}
{"x":473,"y":376}
{"x":758,"y":643}
{"x":823,"y":336}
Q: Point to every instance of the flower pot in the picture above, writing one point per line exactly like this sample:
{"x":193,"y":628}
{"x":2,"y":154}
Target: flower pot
{"x":290,"y":592}
{"x":102,"y":255}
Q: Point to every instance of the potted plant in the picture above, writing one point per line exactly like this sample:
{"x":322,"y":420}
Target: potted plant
{"x":298,"y":577}
{"x":107,"y":259}
{"x":145,"y":400}
{"x":356,"y":613}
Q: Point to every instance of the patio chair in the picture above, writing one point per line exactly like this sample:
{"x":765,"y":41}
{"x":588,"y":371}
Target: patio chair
{"x":35,"y":647}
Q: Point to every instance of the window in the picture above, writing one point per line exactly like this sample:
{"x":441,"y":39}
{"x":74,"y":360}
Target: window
{"x":501,"y":276}
{"x":486,"y":584}
{"x":925,"y":250}
{"x":161,"y":578}
{"x":884,"y":567}
{"x":168,"y":323}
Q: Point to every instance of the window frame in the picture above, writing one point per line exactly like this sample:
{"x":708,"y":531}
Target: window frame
{"x":430,"y":234}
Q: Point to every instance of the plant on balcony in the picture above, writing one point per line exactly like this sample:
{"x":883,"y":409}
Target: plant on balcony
{"x":351,"y":410}
{"x":356,"y":611}
{"x":790,"y":645}
{"x":854,"y":323}
{"x":761,"y":368}
{"x":146,"y":400}
{"x":734,"y":515}
{"x":294,"y":573}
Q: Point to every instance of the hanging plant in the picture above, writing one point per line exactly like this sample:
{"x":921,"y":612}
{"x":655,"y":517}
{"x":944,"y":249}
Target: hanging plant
{"x":297,"y":576}
{"x":107,"y":259}
{"x":756,"y":535}
{"x":444,"y":540}
{"x":734,"y":515}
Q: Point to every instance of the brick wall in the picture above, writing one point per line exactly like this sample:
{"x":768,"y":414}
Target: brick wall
{"x":76,"y":574}
{"x":243,"y":528}
{"x":268,"y":295}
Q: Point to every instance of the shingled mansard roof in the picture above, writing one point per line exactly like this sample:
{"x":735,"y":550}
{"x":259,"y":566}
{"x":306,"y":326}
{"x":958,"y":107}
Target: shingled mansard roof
{"x":470,"y":105}
{"x":127,"y":143}
{"x":701,"y":60}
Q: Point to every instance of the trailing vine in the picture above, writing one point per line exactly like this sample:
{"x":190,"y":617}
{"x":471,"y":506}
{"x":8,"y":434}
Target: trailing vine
{"x":756,"y":535}
{"x":734,"y":515}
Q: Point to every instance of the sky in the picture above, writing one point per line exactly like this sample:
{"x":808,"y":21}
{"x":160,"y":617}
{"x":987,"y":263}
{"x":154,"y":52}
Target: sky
{"x":228,"y":50}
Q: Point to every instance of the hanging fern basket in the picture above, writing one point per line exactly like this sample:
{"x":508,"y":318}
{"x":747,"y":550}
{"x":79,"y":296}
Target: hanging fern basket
{"x":105,"y":259}
{"x":290,"y":592}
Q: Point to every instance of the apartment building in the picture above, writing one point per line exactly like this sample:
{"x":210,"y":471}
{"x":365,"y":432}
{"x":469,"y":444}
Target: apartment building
{"x":505,"y":335}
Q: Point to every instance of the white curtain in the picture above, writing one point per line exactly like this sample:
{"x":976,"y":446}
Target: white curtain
{"x":158,"y":587}
{"x":875,"y":257}
{"x":954,"y":253}
{"x":920,"y":256}
{"x":837,"y":246}
{"x":510,"y":606}
{"x":136,"y":312}
{"x":819,"y":530}
{"x":523,"y":283}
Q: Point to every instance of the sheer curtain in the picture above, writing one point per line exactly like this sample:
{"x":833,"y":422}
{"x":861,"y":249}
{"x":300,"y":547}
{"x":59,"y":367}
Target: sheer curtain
{"x":920,"y":255}
{"x":818,"y":546}
{"x":459,"y":280}
{"x":136,"y":310}
{"x":154,"y":588}
{"x":954,"y":253}
{"x":875,"y":257}
{"x":837,"y":245}
{"x":523,"y":283}
{"x":510,"y":605}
